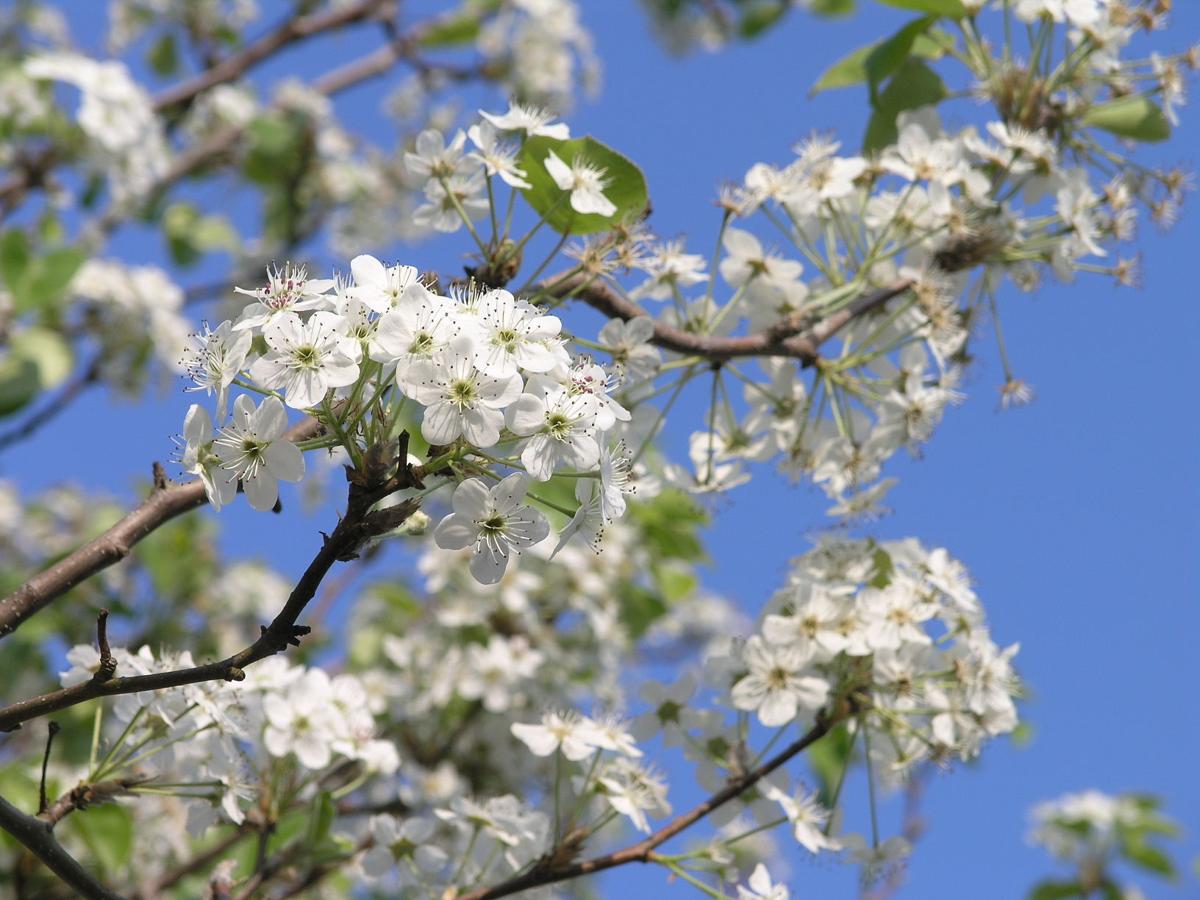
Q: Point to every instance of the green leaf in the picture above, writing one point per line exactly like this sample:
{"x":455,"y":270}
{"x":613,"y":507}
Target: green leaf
{"x":852,"y":68}
{"x":322,"y":818}
{"x":47,"y":279}
{"x":758,"y":17}
{"x":178,"y":558}
{"x":881,"y":574}
{"x":37,"y":359}
{"x":275,"y":147}
{"x":1145,"y":856}
{"x":108,"y":832}
{"x":829,"y":758}
{"x":669,"y":525}
{"x":14,"y":257}
{"x":1056,"y":890}
{"x":832,"y":7}
{"x":952,"y":8}
{"x":912,"y":86}
{"x":640,"y":608}
{"x":626,"y":187}
{"x":674,"y":582}
{"x":458,"y":28}
{"x":888,"y":56}
{"x":1137,"y":117}
{"x":163,"y":56}
{"x":189,"y":234}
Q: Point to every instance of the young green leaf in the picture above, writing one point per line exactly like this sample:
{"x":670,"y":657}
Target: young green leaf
{"x":625,"y":187}
{"x":912,"y":86}
{"x":951,"y":8}
{"x":852,"y":68}
{"x":1137,"y":117}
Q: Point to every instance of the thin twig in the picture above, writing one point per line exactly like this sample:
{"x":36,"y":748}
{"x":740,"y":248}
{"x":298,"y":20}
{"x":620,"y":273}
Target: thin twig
{"x":43,"y":803}
{"x":547,"y":872}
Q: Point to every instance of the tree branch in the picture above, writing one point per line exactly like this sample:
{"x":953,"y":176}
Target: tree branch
{"x":37,"y":836}
{"x":84,"y":795}
{"x":353,"y":530}
{"x":789,"y":338}
{"x":293,"y":30}
{"x":113,"y":545}
{"x":545,"y":872}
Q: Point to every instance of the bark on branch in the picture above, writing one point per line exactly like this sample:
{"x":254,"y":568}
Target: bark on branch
{"x":113,"y":545}
{"x":793,"y":337}
{"x":293,"y":30}
{"x":545,"y":872}
{"x":359,"y":525}
{"x":37,"y":835}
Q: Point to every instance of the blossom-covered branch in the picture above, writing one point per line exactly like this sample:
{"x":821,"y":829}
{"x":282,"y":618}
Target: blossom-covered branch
{"x":793,"y":337}
{"x":547,"y":872}
{"x":355,"y":528}
{"x":163,"y":504}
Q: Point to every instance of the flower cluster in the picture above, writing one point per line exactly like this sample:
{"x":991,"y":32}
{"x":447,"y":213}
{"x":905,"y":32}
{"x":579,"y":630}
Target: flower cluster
{"x":116,"y":115}
{"x":221,"y":744}
{"x":900,"y":629}
{"x":488,"y":374}
{"x":1094,"y":831}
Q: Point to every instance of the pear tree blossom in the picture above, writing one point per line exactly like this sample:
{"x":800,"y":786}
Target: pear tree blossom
{"x":516,"y":408}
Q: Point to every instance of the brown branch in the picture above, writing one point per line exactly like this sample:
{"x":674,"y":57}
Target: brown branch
{"x":294,"y":30}
{"x":789,"y":338}
{"x":203,"y":859}
{"x":33,"y":171}
{"x":353,"y":530}
{"x":38,"y":837}
{"x":113,"y":545}
{"x":546,"y":872}
{"x":84,"y":795}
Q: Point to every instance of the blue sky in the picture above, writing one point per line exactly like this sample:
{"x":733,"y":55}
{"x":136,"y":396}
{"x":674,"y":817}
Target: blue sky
{"x":1076,"y":515}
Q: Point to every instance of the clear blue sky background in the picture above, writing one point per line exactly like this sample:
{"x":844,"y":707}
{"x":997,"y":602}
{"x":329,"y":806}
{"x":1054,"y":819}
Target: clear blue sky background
{"x":1076,"y":515}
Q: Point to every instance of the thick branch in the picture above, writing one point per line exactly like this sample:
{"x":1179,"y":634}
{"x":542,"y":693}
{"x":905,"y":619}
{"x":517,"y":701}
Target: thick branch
{"x":38,"y":837}
{"x":790,"y":338}
{"x":112,"y":546}
{"x":643,"y":851}
{"x":355,"y":528}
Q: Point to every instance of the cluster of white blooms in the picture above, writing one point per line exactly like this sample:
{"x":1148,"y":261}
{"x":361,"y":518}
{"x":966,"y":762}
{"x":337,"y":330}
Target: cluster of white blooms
{"x":902,"y":619}
{"x":543,"y":49}
{"x":1091,"y":824}
{"x":487,"y":371}
{"x":130,"y":19}
{"x":1102,"y":837}
{"x":463,"y":843}
{"x":455,"y":181}
{"x":946,"y":217}
{"x":126,"y":136}
{"x":888,"y":636}
{"x":222,"y":743}
{"x":135,"y":312}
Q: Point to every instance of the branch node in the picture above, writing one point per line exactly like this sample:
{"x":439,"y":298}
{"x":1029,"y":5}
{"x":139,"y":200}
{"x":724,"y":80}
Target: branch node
{"x":234,"y":673}
{"x":159,"y":475}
